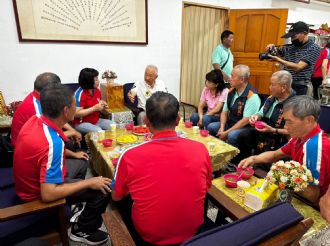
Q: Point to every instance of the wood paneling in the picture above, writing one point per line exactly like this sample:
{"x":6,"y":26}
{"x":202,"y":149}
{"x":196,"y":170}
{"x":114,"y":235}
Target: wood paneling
{"x":253,"y":30}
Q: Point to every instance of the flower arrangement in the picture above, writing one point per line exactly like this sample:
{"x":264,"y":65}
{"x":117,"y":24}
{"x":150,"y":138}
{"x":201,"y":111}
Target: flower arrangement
{"x":290,"y":175}
{"x":109,"y":75}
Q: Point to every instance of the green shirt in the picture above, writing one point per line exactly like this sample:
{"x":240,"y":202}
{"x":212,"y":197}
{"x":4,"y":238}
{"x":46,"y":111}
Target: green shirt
{"x":251,"y":107}
{"x":270,"y":111}
{"x":220,"y":55}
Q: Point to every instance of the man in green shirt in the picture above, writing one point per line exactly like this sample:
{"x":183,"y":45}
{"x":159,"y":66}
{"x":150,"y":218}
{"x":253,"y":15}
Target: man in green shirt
{"x":222,"y":58}
{"x":242,"y":102}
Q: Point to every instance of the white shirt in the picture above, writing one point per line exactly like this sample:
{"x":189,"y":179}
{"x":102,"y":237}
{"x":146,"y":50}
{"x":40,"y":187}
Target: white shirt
{"x":144,"y":91}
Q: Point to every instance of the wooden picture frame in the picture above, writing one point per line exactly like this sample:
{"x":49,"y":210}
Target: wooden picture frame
{"x":82,"y":21}
{"x":303,"y":1}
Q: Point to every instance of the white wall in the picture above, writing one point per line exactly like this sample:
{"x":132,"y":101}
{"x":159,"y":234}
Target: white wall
{"x":21,"y":62}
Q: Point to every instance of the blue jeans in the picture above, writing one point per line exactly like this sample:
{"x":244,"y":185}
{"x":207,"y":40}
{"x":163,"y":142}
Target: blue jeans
{"x":207,"y":119}
{"x":102,"y":124}
{"x":214,"y":127}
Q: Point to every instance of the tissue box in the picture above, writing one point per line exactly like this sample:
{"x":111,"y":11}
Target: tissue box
{"x":256,"y":199}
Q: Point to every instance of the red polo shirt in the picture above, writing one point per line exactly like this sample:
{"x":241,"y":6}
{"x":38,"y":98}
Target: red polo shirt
{"x":295,"y":149}
{"x":39,"y":157}
{"x":29,"y":107}
{"x":88,"y":100}
{"x":167,"y":178}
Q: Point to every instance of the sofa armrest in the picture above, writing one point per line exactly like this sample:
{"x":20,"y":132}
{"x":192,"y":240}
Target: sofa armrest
{"x":28,"y":208}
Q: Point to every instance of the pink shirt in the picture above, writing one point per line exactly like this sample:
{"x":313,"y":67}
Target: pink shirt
{"x":213,"y":100}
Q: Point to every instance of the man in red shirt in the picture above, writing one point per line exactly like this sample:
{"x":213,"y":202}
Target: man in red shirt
{"x":309,"y":145}
{"x":40,"y":168}
{"x":31,"y":106}
{"x":77,"y":164}
{"x":167,"y":183}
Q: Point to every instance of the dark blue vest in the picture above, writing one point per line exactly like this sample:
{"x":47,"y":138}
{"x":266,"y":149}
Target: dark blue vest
{"x":236,"y":111}
{"x":276,"y":119}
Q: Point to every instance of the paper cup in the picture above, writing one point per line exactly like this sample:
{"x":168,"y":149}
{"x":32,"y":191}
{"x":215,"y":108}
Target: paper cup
{"x":242,"y":187}
{"x":113,"y":126}
{"x":195,"y":129}
{"x":211,"y":146}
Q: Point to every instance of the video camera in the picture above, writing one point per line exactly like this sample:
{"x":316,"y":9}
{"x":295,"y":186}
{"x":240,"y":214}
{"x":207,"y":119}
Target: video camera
{"x":273,"y":51}
{"x":265,"y":56}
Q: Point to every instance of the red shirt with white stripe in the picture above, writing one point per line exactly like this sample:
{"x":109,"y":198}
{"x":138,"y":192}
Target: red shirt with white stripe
{"x":39,"y":157}
{"x":29,"y":107}
{"x":295,"y":149}
{"x":88,"y":100}
{"x":167,"y":179}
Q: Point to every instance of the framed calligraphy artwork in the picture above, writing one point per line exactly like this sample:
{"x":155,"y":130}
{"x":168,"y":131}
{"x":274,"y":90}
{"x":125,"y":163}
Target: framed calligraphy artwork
{"x":92,"y":21}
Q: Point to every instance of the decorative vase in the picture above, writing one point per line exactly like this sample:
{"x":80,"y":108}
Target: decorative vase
{"x":285,"y":195}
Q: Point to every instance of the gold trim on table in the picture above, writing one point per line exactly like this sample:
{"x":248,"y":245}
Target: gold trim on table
{"x":304,"y":209}
{"x":222,"y":153}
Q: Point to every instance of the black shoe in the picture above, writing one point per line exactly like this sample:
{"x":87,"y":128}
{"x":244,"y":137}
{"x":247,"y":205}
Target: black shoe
{"x":91,"y":238}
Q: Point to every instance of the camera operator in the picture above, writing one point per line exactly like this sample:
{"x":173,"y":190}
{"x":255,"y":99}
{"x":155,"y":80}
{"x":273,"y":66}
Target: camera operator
{"x":299,"y":58}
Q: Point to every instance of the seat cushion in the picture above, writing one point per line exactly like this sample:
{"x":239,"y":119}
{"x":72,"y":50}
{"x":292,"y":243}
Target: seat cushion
{"x":6,"y":177}
{"x":252,"y":229}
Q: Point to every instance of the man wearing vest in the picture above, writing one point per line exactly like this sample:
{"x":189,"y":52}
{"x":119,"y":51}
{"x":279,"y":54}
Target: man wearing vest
{"x":309,"y":145}
{"x":241,"y":103}
{"x":272,"y":136}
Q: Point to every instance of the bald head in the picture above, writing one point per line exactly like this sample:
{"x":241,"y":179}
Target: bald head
{"x":45,"y":79}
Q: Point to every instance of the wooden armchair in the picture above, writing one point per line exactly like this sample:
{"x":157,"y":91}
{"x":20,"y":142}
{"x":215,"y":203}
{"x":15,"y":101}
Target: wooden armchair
{"x":288,"y":234}
{"x":53,"y":237}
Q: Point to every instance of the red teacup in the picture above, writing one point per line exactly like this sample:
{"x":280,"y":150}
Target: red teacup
{"x":129,"y":127}
{"x":204,"y":133}
{"x":107,"y":142}
{"x":231,"y":180}
{"x":259,"y":124}
{"x":188,"y":124}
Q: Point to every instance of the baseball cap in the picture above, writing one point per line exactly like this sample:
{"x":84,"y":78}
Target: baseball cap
{"x":296,"y":28}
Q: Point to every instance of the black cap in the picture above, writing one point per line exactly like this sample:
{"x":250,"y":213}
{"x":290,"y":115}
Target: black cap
{"x":296,"y":28}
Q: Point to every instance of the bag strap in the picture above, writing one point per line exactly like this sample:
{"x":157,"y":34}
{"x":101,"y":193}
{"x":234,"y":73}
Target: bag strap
{"x":226,"y":61}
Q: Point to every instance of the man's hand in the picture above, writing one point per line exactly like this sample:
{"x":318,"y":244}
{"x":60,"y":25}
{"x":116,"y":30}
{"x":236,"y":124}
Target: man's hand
{"x":77,"y":137}
{"x":81,"y":155}
{"x":266,"y":129}
{"x":268,"y":47}
{"x":200,"y":122}
{"x":222,"y":134}
{"x":247,"y":162}
{"x":253,"y":119}
{"x":100,"y":183}
{"x":131,"y":96}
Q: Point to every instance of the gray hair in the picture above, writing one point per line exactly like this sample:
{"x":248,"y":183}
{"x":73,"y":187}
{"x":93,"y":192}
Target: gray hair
{"x":243,"y":72}
{"x":153,"y":67}
{"x":303,"y":106}
{"x":283,"y":78}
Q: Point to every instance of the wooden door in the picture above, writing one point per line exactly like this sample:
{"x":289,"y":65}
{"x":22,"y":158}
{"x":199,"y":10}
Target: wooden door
{"x":253,"y":30}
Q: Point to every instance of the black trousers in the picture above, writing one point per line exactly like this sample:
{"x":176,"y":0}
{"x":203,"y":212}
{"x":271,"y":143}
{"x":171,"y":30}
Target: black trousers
{"x":316,"y":82}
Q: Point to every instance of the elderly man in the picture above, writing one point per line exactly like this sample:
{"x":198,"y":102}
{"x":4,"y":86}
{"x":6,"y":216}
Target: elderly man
{"x":222,"y":58}
{"x":154,"y":180}
{"x":299,"y":58}
{"x":309,"y":145}
{"x":39,"y":166}
{"x":144,"y":90}
{"x":241,"y":103}
{"x":272,"y":136}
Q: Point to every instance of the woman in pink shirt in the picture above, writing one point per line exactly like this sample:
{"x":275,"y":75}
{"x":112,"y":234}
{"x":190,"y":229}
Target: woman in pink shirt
{"x":213,"y":97}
